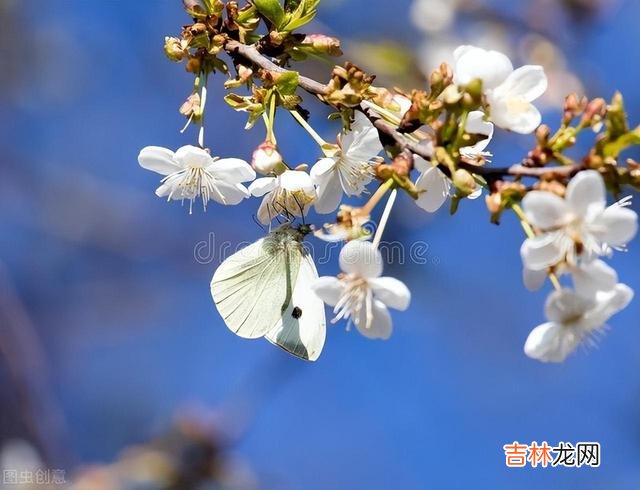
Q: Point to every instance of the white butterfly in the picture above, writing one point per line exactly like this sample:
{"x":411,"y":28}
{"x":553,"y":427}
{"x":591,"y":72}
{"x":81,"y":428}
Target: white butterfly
{"x":264,"y":291}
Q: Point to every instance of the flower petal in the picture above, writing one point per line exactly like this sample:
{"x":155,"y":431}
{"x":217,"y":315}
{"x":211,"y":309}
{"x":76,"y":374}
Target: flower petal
{"x":263,"y":185}
{"x":434,"y":187}
{"x":296,"y":180}
{"x":362,"y":143}
{"x":477,"y":125}
{"x":233,"y":170}
{"x":542,"y":251}
{"x":545,"y":210}
{"x":551,"y":342}
{"x":591,"y":277}
{"x":533,"y":280}
{"x":322,"y":167}
{"x":193,"y":156}
{"x":158,"y":159}
{"x":361,"y":258}
{"x":391,"y":291}
{"x":329,"y":194}
{"x":607,"y":304}
{"x":229,"y":193}
{"x":527,"y":82}
{"x":380,"y":326}
{"x":566,"y":306}
{"x":328,"y":289}
{"x":519,"y":116}
{"x":586,"y":192}
{"x":492,"y":67}
{"x":266,"y":211}
{"x":615,"y":226}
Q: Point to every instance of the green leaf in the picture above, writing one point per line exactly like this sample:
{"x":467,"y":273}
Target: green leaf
{"x":287,"y":82}
{"x":304,"y":12}
{"x":271,"y":9}
{"x":614,"y":148}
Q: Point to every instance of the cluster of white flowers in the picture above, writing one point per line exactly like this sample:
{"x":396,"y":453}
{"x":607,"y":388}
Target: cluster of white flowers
{"x":568,"y":237}
{"x":359,"y":295}
{"x":572,"y":233}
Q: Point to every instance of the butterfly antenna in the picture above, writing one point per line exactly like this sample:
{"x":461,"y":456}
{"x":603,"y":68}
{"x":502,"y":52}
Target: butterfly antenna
{"x":255,"y":220}
{"x":301,"y":207}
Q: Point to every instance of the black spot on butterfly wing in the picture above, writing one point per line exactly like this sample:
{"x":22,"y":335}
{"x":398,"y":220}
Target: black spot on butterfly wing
{"x":296,"y":312}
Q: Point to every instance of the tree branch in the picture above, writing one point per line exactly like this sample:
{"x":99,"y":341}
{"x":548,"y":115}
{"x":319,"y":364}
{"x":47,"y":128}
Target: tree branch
{"x":389,"y":132}
{"x":251,"y":53}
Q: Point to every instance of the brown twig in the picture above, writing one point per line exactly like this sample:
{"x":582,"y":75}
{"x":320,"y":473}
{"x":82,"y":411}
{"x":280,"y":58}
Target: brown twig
{"x":251,"y":53}
{"x":389,"y":133}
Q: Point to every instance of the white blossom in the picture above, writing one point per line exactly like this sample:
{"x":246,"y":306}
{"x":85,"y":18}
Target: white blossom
{"x":434,"y":186}
{"x":573,"y":319}
{"x":359,"y":294}
{"x":510,"y":92}
{"x":290,"y":193}
{"x":350,"y":170}
{"x":578,"y":226}
{"x":192,"y":172}
{"x":589,"y":276}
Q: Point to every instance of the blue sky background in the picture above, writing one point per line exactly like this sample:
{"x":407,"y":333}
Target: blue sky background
{"x":106,"y":272}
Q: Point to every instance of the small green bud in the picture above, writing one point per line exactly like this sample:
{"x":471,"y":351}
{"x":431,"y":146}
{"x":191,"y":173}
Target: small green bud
{"x":174,"y":49}
{"x":464,"y":182}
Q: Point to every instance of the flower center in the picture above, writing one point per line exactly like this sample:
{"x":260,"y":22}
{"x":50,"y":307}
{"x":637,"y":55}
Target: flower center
{"x":354,"y":174}
{"x":192,"y":182}
{"x":356,"y":298}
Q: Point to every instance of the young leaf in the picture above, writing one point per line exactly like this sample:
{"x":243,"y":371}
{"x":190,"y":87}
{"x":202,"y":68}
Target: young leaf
{"x":271,"y":9}
{"x":287,"y":82}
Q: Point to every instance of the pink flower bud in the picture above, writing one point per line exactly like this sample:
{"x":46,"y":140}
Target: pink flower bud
{"x":266,"y":158}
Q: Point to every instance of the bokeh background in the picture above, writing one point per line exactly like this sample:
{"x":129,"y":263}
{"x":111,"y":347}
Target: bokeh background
{"x":114,"y":364}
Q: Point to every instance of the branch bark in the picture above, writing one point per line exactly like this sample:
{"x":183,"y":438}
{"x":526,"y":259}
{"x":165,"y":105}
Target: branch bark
{"x":251,"y":53}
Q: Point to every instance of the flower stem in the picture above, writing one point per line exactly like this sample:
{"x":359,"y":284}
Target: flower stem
{"x":203,"y":103}
{"x":523,"y":221}
{"x":377,"y":196}
{"x":316,"y":137}
{"x":385,"y":218}
{"x":531,"y":234}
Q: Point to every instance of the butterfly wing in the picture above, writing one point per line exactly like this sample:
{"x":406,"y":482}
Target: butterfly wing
{"x":302,"y":329}
{"x":251,"y":287}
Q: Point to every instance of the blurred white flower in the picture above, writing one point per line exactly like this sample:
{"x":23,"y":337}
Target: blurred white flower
{"x":578,"y":226}
{"x":192,"y":172}
{"x":350,"y":170}
{"x":360,"y":294}
{"x":572,"y":318}
{"x":433,"y":184}
{"x":510,"y":93}
{"x":289,"y":194}
{"x":433,"y":15}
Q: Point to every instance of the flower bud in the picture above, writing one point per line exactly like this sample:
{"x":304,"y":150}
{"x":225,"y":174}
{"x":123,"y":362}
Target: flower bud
{"x":542,"y":134}
{"x":451,"y":95}
{"x":595,"y":111}
{"x":323,"y":44}
{"x":266,"y":158}
{"x":464,"y":182}
{"x":173,"y":49}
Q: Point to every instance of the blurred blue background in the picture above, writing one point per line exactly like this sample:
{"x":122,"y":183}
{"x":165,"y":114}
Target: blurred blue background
{"x":109,"y":328}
